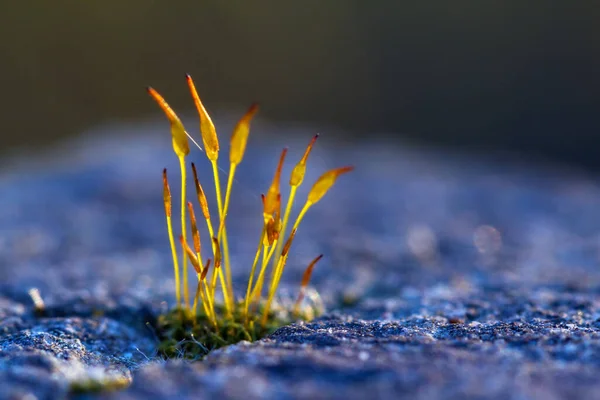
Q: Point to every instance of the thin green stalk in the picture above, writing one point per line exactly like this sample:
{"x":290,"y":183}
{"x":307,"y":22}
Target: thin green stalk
{"x":286,"y":217}
{"x":281,"y":265}
{"x":230,"y":179}
{"x":261,"y":276}
{"x":217,"y":180}
{"x":199,"y":291}
{"x":175,"y":262}
{"x":211,"y":305}
{"x":252,"y":272}
{"x":186,"y":290}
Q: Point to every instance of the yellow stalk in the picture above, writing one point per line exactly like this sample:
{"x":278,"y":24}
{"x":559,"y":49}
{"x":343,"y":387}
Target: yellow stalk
{"x":211,"y":304}
{"x":239,"y":140}
{"x":218,"y":259}
{"x":288,"y":210}
{"x":227,"y":290}
{"x":175,"y":263}
{"x":265,"y":253}
{"x":227,"y":262}
{"x":201,"y":276}
{"x":272,"y":228}
{"x":205,"y":211}
{"x":300,"y":217}
{"x":200,"y":272}
{"x":213,"y":282}
{"x":228,"y":306}
{"x":256,"y":293}
{"x":199,"y":290}
{"x":222,"y":229}
{"x":232,"y":169}
{"x":265,"y":316}
{"x":167,"y":202}
{"x":281,"y":262}
{"x":211,"y":232}
{"x":200,"y":294}
{"x":210,"y":309}
{"x":252,"y":272}
{"x":281,"y":265}
{"x":195,"y":304}
{"x":203,"y":297}
{"x":195,"y":232}
{"x":273,"y":289}
{"x":217,"y":182}
{"x":186,"y":289}
{"x":271,"y":252}
{"x":208,"y":302}
{"x":181,"y":148}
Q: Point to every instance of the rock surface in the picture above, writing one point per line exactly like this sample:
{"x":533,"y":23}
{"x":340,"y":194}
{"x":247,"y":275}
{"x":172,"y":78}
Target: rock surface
{"x":445,"y":277}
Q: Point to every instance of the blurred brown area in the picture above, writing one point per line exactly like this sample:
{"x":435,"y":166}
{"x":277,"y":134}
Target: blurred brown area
{"x":499,"y":74}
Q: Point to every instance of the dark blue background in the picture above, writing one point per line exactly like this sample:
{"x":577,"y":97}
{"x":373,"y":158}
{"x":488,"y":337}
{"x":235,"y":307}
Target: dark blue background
{"x":509,"y":74}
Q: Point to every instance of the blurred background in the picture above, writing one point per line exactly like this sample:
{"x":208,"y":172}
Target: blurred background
{"x":522,"y":76}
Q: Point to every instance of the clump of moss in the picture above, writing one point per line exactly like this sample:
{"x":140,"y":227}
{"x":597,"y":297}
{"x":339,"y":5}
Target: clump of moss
{"x":192,"y":336}
{"x":98,"y":385}
{"x":215,"y":317}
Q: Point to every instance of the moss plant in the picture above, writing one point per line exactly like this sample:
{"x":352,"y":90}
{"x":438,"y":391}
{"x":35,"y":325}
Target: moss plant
{"x":215,"y":317}
{"x":93,"y":385}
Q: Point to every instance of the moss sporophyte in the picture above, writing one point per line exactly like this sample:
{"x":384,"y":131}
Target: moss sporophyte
{"x":215,"y":316}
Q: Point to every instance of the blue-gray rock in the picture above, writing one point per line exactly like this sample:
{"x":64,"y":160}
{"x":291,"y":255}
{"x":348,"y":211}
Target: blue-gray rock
{"x":445,"y":275}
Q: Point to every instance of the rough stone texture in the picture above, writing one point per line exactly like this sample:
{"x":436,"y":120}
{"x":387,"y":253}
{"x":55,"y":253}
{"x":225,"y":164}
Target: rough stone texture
{"x":445,"y":276}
